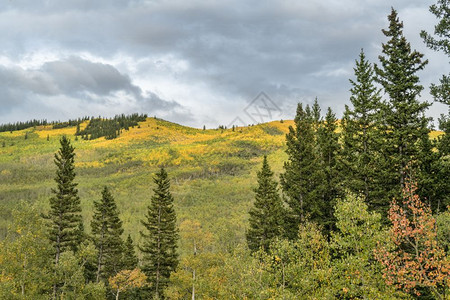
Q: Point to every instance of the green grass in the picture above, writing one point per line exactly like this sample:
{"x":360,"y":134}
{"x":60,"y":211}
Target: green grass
{"x":213,"y":172}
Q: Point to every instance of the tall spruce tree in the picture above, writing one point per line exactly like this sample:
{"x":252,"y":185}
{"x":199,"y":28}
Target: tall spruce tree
{"x":303,"y":181}
{"x":159,"y":248}
{"x":266,"y":216}
{"x":403,"y":114}
{"x":440,"y":41}
{"x":65,"y":210}
{"x":330,"y":149}
{"x":361,"y":136}
{"x":64,"y":218}
{"x":106,"y":234}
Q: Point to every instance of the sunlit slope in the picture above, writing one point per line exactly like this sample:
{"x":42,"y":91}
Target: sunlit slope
{"x":213,"y":171}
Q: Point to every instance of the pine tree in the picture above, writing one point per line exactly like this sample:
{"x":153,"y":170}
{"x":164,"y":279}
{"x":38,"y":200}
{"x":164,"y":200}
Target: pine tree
{"x":267,"y":214}
{"x":64,"y":217}
{"x":403,"y":114}
{"x":361,"y":136}
{"x":130,"y":260}
{"x":106,"y":234}
{"x":160,"y":257}
{"x":328,"y":141}
{"x":303,"y":181}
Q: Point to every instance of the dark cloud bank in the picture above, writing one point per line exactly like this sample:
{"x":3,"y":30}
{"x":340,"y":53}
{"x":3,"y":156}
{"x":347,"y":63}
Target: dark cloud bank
{"x":192,"y":62}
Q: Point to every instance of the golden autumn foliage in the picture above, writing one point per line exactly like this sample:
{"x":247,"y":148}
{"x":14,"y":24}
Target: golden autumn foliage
{"x":126,"y":280}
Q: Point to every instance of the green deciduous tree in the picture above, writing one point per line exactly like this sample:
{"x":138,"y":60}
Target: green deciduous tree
{"x":266,"y":216}
{"x":159,"y":248}
{"x":356,"y":274}
{"x":106,"y":234}
{"x":26,"y":270}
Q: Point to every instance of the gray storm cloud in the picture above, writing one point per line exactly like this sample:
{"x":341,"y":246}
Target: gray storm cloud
{"x":206,"y":58}
{"x":80,"y":82}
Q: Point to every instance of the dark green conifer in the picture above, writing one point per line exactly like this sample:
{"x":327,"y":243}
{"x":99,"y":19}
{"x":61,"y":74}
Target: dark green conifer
{"x":65,"y":210}
{"x":328,"y":141}
{"x":303,"y":181}
{"x":106,"y":234}
{"x":440,"y":41}
{"x":266,"y":215}
{"x":77,"y":132}
{"x":403,"y":114}
{"x":159,"y":248}
{"x":362,"y":136}
{"x":130,"y":260}
{"x":316,"y":113}
{"x":64,"y":218}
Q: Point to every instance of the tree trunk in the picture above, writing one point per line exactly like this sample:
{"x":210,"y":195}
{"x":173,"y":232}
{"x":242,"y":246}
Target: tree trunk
{"x":193,"y":284}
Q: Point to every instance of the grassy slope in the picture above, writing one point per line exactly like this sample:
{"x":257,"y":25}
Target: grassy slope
{"x":213,"y":172}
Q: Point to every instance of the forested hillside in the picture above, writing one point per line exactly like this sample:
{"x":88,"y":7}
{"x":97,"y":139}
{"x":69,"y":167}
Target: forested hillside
{"x":314,"y":208}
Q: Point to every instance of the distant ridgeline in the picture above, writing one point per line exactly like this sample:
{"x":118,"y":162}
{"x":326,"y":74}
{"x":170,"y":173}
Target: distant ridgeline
{"x":96,"y":128}
{"x":109,"y":128}
{"x":33,"y":123}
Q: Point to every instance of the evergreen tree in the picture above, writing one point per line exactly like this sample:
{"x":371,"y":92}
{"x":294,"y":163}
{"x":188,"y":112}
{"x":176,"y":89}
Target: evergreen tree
{"x":403,"y":114}
{"x":65,"y":210}
{"x":441,"y":93}
{"x":77,"y":132}
{"x":267,"y":214}
{"x":303,"y":181}
{"x":361,"y":136}
{"x":106,"y":234}
{"x":316,"y":113}
{"x":328,"y":141}
{"x":160,"y":257}
{"x":441,"y":10}
{"x":130,"y":260}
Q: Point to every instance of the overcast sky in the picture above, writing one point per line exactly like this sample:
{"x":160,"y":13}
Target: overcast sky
{"x":192,"y":62}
